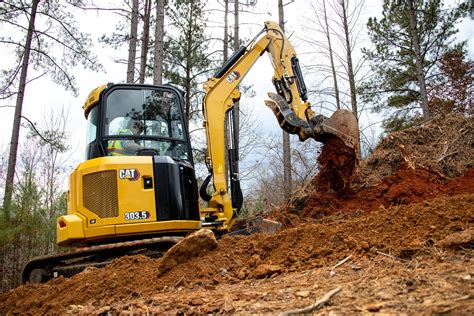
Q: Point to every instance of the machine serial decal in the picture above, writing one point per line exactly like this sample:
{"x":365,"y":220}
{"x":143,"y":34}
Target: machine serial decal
{"x":232,"y":76}
{"x":133,"y":216}
{"x":130,"y":174}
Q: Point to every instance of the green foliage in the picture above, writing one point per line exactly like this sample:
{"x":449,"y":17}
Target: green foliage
{"x":253,"y":207}
{"x":119,"y":37}
{"x":186,"y":44}
{"x":394,"y":86}
{"x":38,"y":199}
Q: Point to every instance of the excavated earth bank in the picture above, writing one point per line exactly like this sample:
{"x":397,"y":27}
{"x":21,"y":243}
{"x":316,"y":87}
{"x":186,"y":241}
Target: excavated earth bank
{"x":406,"y":233}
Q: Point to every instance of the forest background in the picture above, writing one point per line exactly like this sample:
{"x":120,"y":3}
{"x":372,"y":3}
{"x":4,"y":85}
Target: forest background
{"x":348,"y":58}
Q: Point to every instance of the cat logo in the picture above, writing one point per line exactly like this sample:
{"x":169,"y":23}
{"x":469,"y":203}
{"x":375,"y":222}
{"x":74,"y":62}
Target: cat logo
{"x":130,"y":174}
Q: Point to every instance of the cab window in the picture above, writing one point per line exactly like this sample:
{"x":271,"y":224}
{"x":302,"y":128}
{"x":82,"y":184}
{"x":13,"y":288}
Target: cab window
{"x":157,"y":110}
{"x":91,"y":133}
{"x":158,"y":115}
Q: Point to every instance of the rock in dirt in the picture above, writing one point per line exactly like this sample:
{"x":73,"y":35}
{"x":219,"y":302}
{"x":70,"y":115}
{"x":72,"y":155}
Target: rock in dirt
{"x":458,"y":239}
{"x":374,"y":307}
{"x":191,"y":246}
{"x":302,"y":294}
{"x":88,"y":270}
{"x":265,"y":270}
{"x":75,"y":309}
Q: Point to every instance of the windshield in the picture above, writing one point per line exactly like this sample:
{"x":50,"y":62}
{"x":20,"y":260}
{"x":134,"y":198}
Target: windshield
{"x":144,"y":121}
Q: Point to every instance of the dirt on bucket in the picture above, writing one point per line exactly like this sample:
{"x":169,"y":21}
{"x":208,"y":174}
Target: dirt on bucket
{"x":336,"y":167}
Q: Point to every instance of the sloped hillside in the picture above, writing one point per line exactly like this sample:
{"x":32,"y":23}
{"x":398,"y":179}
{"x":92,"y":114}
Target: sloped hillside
{"x":400,"y":240}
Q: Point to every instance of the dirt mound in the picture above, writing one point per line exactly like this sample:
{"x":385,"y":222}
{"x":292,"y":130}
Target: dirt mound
{"x":406,"y":167}
{"x":404,"y":187}
{"x":443,"y":144}
{"x":402,"y":232}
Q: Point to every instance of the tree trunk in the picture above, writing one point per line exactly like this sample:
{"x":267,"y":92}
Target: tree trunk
{"x":236,"y":26}
{"x":350,"y":68}
{"x":159,"y":43}
{"x":236,"y":110}
{"x":286,"y":136}
{"x":187,"y":95}
{"x":226,"y":26}
{"x":132,"y":48}
{"x":331,"y":58}
{"x":16,"y":120}
{"x":145,"y":41}
{"x":418,"y":60}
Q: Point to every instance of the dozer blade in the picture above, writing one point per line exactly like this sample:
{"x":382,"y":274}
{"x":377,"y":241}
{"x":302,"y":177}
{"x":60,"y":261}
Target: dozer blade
{"x":342,"y":124}
{"x":259,"y":225}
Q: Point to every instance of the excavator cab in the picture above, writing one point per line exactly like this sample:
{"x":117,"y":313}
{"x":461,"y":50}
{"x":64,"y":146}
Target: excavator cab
{"x":133,"y":120}
{"x":138,"y":178}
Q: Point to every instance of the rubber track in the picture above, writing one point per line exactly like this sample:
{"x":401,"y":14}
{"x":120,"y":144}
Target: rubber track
{"x":49,"y":262}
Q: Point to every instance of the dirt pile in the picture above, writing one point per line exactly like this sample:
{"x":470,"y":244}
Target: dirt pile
{"x":336,"y":167}
{"x":402,"y":232}
{"x":406,"y":167}
{"x":404,"y":187}
{"x":406,"y":233}
{"x":443,"y":144}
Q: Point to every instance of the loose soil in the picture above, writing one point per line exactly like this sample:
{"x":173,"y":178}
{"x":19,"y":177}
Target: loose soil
{"x":336,"y":164}
{"x":406,"y":235}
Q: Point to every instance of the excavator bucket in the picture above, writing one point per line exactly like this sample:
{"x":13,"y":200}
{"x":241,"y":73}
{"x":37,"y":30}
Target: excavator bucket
{"x":342,"y":124}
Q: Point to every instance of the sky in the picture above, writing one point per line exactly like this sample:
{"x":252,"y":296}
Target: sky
{"x":43,"y":96}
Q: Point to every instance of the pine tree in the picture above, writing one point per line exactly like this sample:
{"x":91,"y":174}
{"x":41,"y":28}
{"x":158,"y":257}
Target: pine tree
{"x":158,"y":50}
{"x":186,"y":55}
{"x":397,"y":84}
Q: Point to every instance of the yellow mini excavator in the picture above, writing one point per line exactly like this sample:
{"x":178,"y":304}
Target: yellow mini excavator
{"x":137,"y":191}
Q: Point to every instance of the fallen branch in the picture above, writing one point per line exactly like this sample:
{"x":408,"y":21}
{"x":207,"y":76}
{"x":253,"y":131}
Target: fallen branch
{"x":177,"y":283}
{"x":332,"y":272}
{"x":390,"y":256}
{"x":341,"y":262}
{"x":436,"y":172}
{"x":446,"y":156}
{"x":323,"y":301}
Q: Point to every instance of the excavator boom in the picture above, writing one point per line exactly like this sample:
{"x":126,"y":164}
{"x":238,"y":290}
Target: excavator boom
{"x":290,"y":106}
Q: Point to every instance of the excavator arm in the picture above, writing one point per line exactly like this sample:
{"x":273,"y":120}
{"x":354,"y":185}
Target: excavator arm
{"x":289,"y":105}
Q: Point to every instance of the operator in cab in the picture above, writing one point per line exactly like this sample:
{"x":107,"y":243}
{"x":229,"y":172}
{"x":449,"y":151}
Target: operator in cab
{"x":127,"y":147}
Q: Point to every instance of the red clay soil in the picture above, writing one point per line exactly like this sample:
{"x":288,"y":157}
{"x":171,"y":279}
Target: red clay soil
{"x":398,"y":250}
{"x":336,"y":164}
{"x":405,"y":187}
